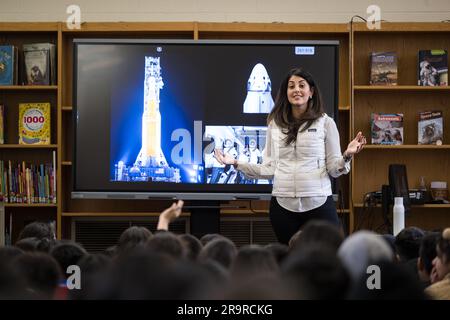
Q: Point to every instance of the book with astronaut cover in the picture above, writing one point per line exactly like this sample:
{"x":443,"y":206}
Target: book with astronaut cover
{"x":387,"y":128}
{"x":430,"y":127}
{"x":433,"y":68}
{"x":34,"y":123}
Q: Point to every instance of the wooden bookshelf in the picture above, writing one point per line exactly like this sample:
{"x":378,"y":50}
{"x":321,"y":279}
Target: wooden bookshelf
{"x":370,"y":168}
{"x":18,"y":34}
{"x":357,"y":99}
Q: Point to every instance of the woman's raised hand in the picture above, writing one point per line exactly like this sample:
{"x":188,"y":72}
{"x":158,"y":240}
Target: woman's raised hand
{"x":224,"y":158}
{"x":356,"y":145}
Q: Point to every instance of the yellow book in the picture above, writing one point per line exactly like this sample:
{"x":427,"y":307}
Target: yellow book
{"x":34,"y":123}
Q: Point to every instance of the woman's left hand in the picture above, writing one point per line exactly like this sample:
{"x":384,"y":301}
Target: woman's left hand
{"x":356,"y":145}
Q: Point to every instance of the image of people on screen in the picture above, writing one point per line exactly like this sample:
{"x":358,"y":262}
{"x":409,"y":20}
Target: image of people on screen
{"x":243,"y":143}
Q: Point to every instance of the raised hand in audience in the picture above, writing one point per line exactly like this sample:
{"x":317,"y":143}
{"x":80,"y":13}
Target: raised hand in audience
{"x":168,"y":215}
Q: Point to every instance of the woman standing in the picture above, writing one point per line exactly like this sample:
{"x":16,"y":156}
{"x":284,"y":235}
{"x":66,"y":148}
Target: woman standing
{"x":302,"y":151}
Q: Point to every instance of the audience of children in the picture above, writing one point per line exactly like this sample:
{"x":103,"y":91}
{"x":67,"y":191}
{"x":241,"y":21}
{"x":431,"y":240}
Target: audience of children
{"x":319,"y":263}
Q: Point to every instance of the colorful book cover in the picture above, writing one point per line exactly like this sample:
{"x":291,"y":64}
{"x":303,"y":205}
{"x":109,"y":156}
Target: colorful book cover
{"x":8,"y":65}
{"x":383,"y":68}
{"x":430,"y":127}
{"x":433,"y":68}
{"x":387,"y":128}
{"x":34,"y":123}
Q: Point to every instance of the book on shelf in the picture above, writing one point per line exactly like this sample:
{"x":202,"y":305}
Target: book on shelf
{"x":387,"y":129}
{"x":34,"y":123}
{"x":2,"y":123}
{"x":40,"y":63}
{"x":2,"y":222}
{"x":8,"y":65}
{"x":433,"y":68}
{"x":22,"y":182}
{"x":383,"y":68}
{"x":430,"y":127}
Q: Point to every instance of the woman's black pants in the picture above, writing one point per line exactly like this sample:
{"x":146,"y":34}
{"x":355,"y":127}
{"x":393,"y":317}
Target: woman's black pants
{"x":286,"y":223}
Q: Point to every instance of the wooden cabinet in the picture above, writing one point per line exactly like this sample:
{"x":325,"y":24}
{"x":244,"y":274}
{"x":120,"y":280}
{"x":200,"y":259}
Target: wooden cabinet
{"x":370,"y":168}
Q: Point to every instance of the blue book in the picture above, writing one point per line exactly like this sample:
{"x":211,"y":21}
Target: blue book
{"x":8,"y":65}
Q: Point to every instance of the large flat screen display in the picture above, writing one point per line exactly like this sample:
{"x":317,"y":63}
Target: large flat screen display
{"x":149,"y":113}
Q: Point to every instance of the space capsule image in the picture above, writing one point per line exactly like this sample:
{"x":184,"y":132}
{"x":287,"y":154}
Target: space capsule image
{"x":259,"y":91}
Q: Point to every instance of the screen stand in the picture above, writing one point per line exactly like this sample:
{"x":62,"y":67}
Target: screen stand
{"x":205,"y":218}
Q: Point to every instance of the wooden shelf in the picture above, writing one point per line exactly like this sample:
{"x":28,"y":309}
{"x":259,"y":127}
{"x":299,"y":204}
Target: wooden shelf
{"x":132,"y":27}
{"x":406,"y":146}
{"x":400,"y":88}
{"x":117,"y":214}
{"x":243,"y":211}
{"x":33,"y":205}
{"x":404,"y":27}
{"x":418,"y":206}
{"x":66,"y":163}
{"x":70,"y":108}
{"x":29,"y":27}
{"x":15,"y":88}
{"x":259,"y":211}
{"x":240,"y":27}
{"x":28,"y":146}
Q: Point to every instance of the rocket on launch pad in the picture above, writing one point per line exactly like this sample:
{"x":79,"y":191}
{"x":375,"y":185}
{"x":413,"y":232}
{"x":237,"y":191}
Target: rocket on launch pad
{"x":151,"y":153}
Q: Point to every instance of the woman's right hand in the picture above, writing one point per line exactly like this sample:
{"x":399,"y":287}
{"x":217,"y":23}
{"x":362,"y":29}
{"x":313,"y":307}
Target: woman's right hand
{"x":224,"y":158}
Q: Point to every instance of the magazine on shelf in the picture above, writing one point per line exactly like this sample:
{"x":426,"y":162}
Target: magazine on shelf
{"x":383,"y":68}
{"x":430,"y":127}
{"x":387,"y":128}
{"x":433,"y":68}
